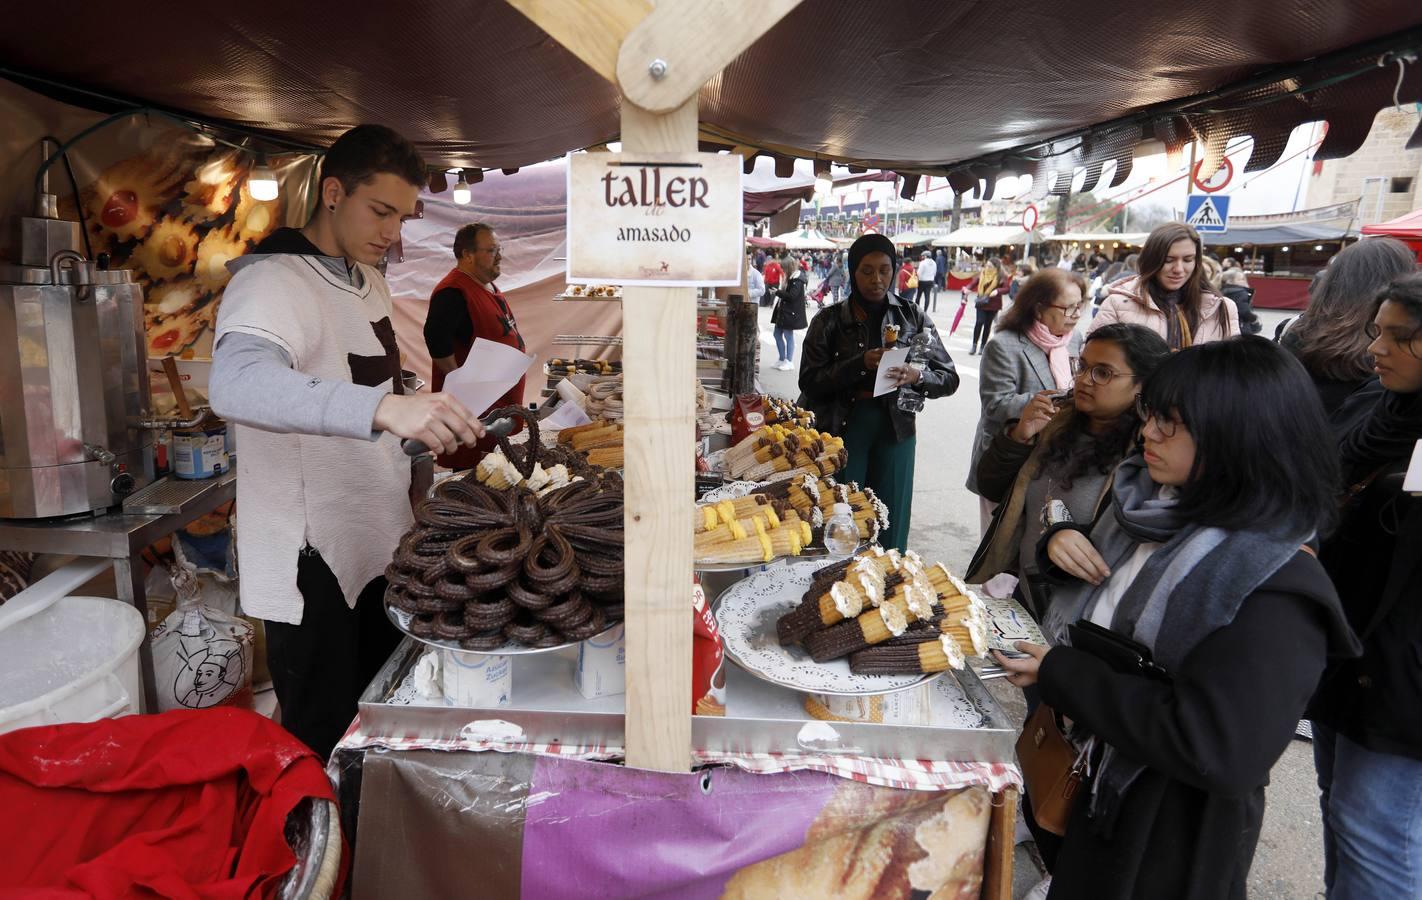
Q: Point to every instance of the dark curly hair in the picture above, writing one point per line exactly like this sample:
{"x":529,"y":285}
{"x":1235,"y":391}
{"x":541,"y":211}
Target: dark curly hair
{"x":1065,"y":457}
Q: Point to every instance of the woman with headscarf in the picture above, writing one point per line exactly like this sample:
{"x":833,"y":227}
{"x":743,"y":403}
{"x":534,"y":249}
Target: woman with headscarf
{"x":839,"y":361}
{"x":1170,"y":295}
{"x":992,"y":287}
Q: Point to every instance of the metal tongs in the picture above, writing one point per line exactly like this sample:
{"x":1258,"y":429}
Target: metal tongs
{"x":501,"y":427}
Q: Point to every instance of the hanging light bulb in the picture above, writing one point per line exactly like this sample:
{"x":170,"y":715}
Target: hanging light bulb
{"x":462,"y":194}
{"x":262,"y":181}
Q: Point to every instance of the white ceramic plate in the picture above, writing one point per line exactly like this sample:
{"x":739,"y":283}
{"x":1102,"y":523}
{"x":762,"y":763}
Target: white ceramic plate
{"x":746,"y":613}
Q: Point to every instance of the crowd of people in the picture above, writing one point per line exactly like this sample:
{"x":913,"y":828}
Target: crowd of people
{"x":1229,"y":507}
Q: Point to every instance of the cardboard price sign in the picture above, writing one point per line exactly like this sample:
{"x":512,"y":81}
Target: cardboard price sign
{"x":669,"y":219}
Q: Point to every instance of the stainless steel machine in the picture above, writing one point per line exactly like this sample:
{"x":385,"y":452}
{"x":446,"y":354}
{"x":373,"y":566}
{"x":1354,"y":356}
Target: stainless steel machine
{"x":74,"y":390}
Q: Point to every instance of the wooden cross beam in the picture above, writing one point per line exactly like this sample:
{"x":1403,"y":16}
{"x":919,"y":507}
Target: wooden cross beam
{"x":660,"y":55}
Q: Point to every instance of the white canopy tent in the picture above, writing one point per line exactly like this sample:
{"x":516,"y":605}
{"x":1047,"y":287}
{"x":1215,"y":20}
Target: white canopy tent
{"x":988,"y":236}
{"x":806,"y":239}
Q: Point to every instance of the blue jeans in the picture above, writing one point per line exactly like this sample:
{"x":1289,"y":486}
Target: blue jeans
{"x":785,"y":343}
{"x":1372,"y":819}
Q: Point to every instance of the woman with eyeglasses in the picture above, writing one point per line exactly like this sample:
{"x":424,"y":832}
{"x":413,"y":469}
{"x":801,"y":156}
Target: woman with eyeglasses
{"x":1201,"y":560}
{"x":1030,"y":353}
{"x":1170,"y":296}
{"x":1367,"y":714}
{"x":1062,"y":449}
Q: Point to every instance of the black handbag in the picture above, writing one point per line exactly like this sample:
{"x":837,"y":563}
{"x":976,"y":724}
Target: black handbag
{"x":1121,"y":653}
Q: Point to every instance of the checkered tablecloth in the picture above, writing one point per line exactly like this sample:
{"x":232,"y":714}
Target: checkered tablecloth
{"x":910,"y":774}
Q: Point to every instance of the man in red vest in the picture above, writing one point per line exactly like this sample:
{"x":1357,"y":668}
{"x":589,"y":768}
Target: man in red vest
{"x":465,"y":306}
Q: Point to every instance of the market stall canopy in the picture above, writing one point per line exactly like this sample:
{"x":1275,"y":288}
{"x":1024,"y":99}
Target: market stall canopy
{"x":1322,"y":224}
{"x":988,"y":236}
{"x":1129,"y":238}
{"x":767,"y":192}
{"x":770,"y":243}
{"x":912,"y":238}
{"x":479,"y":85}
{"x":1408,"y":226}
{"x":805,"y":239}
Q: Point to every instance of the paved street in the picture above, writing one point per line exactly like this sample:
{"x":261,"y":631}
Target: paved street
{"x":1288,"y":863}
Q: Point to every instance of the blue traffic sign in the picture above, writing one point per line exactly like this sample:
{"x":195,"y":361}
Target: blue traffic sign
{"x":1207,"y":212}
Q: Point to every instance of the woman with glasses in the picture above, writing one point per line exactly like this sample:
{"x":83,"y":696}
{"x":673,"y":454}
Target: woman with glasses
{"x":1328,"y":338}
{"x":1170,"y":296}
{"x":1062,"y":449}
{"x":1367,"y":733}
{"x":1030,"y":353}
{"x":1200,"y":559}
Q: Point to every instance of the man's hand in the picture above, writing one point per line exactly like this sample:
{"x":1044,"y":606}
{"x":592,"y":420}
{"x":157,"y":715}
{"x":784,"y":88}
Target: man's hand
{"x":902,"y":375}
{"x":871,"y":359}
{"x":438,"y":421}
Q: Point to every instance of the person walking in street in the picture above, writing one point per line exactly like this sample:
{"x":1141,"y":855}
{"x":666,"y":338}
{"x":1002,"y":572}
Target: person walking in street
{"x":1031,"y":353}
{"x":1330,"y":338}
{"x":1062,"y":451}
{"x":1367,"y":735}
{"x":927,"y":274}
{"x":1201,"y":561}
{"x":1170,"y":295}
{"x":908,"y":279}
{"x":840,"y":361}
{"x":940,"y":279}
{"x":988,"y":303}
{"x":834,"y":281}
{"x":788,"y":316}
{"x":774,"y":274}
{"x":755,"y":285}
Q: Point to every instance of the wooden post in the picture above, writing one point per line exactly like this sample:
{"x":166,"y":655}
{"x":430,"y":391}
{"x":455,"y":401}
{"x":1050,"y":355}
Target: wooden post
{"x":659,"y":408}
{"x":742,"y":337}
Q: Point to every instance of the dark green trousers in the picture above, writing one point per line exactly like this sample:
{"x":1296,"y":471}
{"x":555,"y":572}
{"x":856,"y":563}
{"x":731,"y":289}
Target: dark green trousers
{"x":883,"y":464}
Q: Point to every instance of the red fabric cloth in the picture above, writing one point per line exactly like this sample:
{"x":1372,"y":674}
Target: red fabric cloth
{"x":189,"y":804}
{"x":493,"y":321}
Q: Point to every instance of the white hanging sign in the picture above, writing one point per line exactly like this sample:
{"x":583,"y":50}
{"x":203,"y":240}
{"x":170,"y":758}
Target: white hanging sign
{"x":670,"y":219}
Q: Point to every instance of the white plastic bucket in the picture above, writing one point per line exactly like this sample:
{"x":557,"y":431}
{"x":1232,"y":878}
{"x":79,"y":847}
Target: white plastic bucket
{"x":76,"y":661}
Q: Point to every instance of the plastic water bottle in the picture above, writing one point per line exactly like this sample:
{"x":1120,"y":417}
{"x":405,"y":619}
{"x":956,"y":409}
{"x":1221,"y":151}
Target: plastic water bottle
{"x":841,"y":534}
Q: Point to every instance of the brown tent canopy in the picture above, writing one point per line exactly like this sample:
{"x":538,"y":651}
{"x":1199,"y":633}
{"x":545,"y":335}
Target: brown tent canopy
{"x":965,"y":89}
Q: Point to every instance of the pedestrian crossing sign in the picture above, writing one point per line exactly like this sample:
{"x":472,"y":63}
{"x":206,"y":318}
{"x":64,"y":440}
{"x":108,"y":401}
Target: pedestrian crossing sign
{"x":1207,"y":212}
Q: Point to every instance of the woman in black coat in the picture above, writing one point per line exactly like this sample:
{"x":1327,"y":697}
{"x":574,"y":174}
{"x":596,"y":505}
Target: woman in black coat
{"x":1368,"y":711}
{"x":1201,"y":559}
{"x":788,"y":316}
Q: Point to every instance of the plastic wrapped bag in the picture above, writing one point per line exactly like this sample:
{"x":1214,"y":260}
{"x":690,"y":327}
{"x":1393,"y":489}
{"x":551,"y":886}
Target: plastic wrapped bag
{"x":202,"y":657}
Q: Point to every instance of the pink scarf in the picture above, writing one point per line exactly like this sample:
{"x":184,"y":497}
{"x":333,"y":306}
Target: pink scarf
{"x":1056,"y":349}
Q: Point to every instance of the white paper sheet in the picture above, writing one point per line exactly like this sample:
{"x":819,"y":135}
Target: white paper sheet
{"x":1413,"y":482}
{"x":883,"y":384}
{"x":567,"y":415}
{"x":489,"y":372}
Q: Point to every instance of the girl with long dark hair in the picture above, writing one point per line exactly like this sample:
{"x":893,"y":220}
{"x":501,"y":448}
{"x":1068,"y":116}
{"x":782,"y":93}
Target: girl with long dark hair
{"x":1170,"y":296}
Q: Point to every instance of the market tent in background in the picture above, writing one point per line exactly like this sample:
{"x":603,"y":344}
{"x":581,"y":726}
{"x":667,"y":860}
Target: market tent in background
{"x":988,"y":236}
{"x":1407,"y":229}
{"x":913,"y":238}
{"x":806,"y":239}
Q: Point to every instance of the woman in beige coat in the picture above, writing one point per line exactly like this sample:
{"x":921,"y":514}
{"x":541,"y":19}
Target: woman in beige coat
{"x":1170,"y":296}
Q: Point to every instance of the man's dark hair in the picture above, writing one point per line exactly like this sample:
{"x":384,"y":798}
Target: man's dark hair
{"x":370,"y":150}
{"x":1247,"y":400}
{"x":466,"y":239}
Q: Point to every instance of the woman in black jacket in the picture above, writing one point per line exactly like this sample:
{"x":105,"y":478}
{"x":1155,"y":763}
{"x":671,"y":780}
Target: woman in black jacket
{"x":788,"y":316}
{"x":1201,"y":559}
{"x":841,"y":356}
{"x":1368,"y":711}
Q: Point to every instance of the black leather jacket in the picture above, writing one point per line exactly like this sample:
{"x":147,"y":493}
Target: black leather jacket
{"x":832,"y":363}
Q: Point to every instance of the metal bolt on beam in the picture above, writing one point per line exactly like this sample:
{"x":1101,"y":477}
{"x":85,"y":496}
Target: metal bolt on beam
{"x":658,"y":69}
